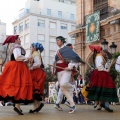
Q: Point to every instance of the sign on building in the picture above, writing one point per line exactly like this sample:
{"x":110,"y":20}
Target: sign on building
{"x":93,"y":27}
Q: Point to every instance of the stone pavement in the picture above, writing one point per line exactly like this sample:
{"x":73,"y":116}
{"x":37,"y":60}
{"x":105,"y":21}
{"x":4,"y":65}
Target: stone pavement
{"x":83,"y":112}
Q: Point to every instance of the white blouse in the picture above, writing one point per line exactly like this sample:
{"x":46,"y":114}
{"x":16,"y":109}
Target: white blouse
{"x":37,"y":61}
{"x":99,"y":63}
{"x":17,"y":54}
{"x":117,"y":67}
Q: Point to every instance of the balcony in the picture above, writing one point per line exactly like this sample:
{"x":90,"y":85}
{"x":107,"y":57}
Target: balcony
{"x":24,"y":12}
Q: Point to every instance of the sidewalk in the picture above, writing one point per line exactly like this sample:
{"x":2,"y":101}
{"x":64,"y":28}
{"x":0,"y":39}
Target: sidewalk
{"x":83,"y":112}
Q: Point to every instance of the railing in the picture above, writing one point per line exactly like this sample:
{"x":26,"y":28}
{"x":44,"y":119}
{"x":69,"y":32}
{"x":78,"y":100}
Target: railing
{"x":65,"y":16}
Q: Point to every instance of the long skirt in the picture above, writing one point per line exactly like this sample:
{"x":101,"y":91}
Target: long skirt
{"x":102,"y":87}
{"x":16,"y":82}
{"x":38,"y":79}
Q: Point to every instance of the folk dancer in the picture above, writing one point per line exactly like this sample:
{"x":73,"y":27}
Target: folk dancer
{"x":66,"y":58}
{"x":15,"y":80}
{"x":38,"y":76}
{"x":60,"y":94}
{"x":102,"y":87}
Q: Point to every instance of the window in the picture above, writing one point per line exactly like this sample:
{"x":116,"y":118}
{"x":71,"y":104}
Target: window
{"x":72,"y":16}
{"x":63,"y":26}
{"x":60,"y":14}
{"x":15,"y":30}
{"x":41,"y":23}
{"x":73,"y":41}
{"x":52,"y":53}
{"x":101,"y":5}
{"x":21,"y":27}
{"x":26,"y":38}
{"x":52,"y":39}
{"x":73,"y":27}
{"x":52,"y":25}
{"x":41,"y":38}
{"x":61,"y":0}
{"x":48,"y":11}
{"x":53,"y":46}
{"x":26,"y":24}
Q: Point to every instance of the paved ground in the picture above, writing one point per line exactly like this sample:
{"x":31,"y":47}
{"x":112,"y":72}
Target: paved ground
{"x":83,"y":112}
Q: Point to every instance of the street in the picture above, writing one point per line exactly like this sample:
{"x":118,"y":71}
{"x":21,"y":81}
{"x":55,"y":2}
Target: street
{"x":83,"y":112}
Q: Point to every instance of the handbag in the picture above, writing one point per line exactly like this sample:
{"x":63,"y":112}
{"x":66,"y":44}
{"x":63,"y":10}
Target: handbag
{"x":85,"y":90}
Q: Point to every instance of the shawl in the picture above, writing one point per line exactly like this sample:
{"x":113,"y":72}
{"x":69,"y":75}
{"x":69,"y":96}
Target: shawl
{"x":68,"y":54}
{"x":36,"y":53}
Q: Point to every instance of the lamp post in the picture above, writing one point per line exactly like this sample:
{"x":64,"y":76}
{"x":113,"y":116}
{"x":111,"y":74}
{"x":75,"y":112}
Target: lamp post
{"x":113,"y":48}
{"x":104,"y":44}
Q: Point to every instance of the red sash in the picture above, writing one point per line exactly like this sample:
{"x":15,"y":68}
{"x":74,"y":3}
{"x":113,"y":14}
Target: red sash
{"x":63,"y":65}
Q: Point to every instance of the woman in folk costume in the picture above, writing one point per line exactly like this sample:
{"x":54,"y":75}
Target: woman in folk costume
{"x":38,"y":76}
{"x":15,"y":80}
{"x":102,"y":87}
{"x":66,"y":58}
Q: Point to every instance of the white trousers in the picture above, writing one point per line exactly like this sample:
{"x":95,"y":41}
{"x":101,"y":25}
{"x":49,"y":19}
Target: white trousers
{"x":64,"y":79}
{"x":59,"y":97}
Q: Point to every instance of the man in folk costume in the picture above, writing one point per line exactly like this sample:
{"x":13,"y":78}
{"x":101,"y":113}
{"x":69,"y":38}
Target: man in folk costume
{"x":38,"y":76}
{"x":15,"y":80}
{"x":66,"y":58}
{"x":60,"y":94}
{"x":102,"y":87}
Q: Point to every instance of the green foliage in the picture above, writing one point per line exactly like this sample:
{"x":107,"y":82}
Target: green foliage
{"x":87,"y":75}
{"x":49,"y":77}
{"x":117,"y":80}
{"x":115,"y":55}
{"x":114,"y":74}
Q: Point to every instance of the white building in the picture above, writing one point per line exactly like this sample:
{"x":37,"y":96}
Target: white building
{"x":43,"y":20}
{"x":2,"y":38}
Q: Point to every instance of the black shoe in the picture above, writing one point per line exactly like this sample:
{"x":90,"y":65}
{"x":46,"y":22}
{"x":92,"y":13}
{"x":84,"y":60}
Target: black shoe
{"x":18,"y":111}
{"x":21,"y":110}
{"x":99,"y":108}
{"x":95,"y":106}
{"x":14,"y":107}
{"x":108,"y":109}
{"x":32,"y":111}
{"x":102,"y":105}
{"x":40,"y":107}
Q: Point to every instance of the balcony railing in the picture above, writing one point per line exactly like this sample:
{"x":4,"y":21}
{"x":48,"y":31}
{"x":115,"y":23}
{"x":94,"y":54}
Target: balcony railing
{"x":65,"y":16}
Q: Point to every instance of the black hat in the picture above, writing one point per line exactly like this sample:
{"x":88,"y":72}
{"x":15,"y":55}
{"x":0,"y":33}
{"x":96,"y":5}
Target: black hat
{"x":61,"y":38}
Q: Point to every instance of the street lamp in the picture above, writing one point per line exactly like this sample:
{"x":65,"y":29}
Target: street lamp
{"x":104,"y":45}
{"x":113,"y":48}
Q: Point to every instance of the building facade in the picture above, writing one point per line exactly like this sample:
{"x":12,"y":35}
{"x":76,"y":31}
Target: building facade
{"x":109,"y":26}
{"x":43,"y":20}
{"x":2,"y":38}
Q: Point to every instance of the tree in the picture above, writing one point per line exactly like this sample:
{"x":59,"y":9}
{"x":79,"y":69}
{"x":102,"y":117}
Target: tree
{"x":49,"y":78}
{"x":114,"y":74}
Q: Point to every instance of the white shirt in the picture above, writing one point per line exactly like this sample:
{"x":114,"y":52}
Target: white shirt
{"x":37,"y":61}
{"x":99,"y":63}
{"x":117,"y":67}
{"x":17,"y":54}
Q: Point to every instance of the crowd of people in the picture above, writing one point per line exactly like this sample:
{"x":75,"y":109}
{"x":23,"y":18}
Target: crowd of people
{"x":22,"y":79}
